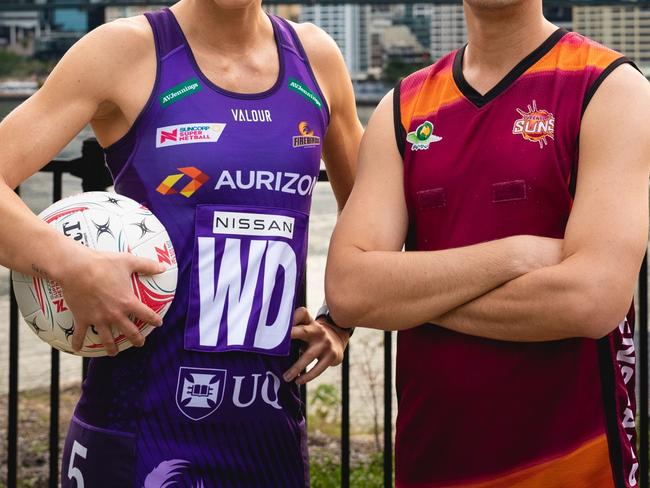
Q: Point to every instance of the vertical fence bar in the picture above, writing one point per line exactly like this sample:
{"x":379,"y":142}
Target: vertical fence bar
{"x":84,"y":368}
{"x":643,"y":374}
{"x":54,"y":419}
{"x":388,"y":409}
{"x":12,"y":428}
{"x":345,"y":420}
{"x":302,"y":302}
{"x":54,"y":376}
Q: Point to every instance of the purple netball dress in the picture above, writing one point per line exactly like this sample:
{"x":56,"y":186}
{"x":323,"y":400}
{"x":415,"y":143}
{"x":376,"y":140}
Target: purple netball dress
{"x":230,"y":175}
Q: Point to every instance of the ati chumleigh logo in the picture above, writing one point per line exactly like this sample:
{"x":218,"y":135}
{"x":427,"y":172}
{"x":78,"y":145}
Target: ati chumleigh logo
{"x":302,"y":90}
{"x":180,"y":91}
{"x":166,"y":187}
{"x":306,"y":137}
{"x":175,"y":135}
{"x":422,"y":137}
{"x":536,"y":125}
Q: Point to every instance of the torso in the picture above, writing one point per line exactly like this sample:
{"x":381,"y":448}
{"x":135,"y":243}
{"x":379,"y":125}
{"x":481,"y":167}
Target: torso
{"x":488,"y":166}
{"x":252,"y":74}
{"x":230,"y":176}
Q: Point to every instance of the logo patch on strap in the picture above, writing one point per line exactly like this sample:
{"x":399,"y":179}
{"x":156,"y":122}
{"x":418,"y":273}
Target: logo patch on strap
{"x":301,"y":89}
{"x":180,"y":91}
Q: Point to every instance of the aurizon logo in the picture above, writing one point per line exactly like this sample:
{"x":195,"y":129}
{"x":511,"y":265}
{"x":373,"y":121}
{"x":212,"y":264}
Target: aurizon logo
{"x":198,"y":178}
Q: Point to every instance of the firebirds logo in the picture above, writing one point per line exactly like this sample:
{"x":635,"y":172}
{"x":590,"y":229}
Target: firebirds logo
{"x":536,"y":125}
{"x":306,"y":137}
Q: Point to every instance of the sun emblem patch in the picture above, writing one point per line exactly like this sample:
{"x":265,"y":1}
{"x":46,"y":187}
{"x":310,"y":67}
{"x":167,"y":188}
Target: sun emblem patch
{"x":422,"y":137}
{"x":536,"y":125}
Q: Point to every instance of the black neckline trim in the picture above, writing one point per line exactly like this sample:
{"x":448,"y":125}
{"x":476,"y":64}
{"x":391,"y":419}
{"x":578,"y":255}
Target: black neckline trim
{"x":480,"y":100}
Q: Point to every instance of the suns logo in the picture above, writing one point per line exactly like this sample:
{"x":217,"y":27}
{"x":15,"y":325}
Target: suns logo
{"x":536,"y":125}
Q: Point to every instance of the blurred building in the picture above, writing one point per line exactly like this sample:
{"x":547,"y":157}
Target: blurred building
{"x":113,"y":13}
{"x":626,"y":29}
{"x":560,"y":16}
{"x":18,"y":30}
{"x":349,"y":27}
{"x":69,"y":20}
{"x":447,"y":28}
{"x":290,"y":12}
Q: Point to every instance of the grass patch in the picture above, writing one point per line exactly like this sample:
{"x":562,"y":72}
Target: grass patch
{"x":326,"y":473}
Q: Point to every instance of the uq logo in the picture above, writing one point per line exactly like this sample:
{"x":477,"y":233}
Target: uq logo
{"x":199,"y":391}
{"x":244,"y":279}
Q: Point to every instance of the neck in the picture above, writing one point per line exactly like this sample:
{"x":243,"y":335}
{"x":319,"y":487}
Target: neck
{"x":500,"y":37}
{"x":236,"y":30}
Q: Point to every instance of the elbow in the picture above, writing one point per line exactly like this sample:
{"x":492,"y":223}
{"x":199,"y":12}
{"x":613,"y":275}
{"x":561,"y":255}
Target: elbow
{"x":344,"y":305}
{"x":599,"y":312}
{"x":346,"y":298}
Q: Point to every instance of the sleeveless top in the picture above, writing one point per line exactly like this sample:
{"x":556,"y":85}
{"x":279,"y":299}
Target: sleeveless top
{"x":230,"y":176}
{"x":475,"y":412}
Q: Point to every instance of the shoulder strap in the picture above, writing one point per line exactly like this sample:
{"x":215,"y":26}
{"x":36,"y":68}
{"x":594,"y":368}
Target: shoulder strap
{"x":167,"y":33}
{"x":287,"y":37}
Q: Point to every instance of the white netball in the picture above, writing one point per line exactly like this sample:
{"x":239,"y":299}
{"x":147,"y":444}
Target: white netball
{"x":106,"y":222}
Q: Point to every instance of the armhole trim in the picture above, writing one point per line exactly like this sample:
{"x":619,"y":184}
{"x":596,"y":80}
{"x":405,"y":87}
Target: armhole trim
{"x":130,"y":134}
{"x":573,"y":180}
{"x":400,"y":133}
{"x":599,"y":81}
{"x":310,"y":70}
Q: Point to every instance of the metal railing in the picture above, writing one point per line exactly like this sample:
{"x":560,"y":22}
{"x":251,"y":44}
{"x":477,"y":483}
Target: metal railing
{"x":94,"y":176}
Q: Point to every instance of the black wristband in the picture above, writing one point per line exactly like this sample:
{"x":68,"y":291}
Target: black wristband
{"x":324,"y":312}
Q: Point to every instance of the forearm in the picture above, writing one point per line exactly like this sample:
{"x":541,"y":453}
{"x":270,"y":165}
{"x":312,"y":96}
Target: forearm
{"x":28,"y":244}
{"x":553,"y":303}
{"x":399,"y":290}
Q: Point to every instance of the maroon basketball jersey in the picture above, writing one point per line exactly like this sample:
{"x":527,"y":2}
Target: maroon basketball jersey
{"x":482,"y":413}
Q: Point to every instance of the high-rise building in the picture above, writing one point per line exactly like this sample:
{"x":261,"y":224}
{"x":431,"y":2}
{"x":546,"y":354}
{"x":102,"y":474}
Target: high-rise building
{"x":626,"y":29}
{"x":447,"y":28}
{"x":560,"y":16}
{"x":348,"y":26}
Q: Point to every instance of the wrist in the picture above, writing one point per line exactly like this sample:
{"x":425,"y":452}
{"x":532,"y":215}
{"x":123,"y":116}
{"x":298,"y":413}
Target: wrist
{"x":68,"y":260}
{"x":520,"y":258}
{"x":323,"y":315}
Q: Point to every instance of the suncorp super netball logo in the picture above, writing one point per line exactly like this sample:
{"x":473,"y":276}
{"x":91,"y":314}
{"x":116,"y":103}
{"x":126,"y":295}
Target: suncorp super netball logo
{"x":536,"y":125}
{"x":196,"y":132}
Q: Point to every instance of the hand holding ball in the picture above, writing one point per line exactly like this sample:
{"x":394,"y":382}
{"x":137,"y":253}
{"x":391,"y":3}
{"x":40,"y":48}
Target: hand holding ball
{"x":105,"y":222}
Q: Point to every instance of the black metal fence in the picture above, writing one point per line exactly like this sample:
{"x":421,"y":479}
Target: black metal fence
{"x":91,"y":170}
